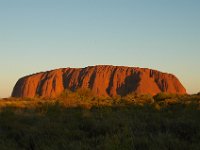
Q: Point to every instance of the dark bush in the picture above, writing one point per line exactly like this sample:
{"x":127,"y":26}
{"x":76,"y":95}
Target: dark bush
{"x":163,"y":96}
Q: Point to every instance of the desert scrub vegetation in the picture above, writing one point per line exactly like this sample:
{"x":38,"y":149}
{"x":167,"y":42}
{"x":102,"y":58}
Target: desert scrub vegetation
{"x":51,"y":126}
{"x":85,"y":97}
{"x":107,"y":123}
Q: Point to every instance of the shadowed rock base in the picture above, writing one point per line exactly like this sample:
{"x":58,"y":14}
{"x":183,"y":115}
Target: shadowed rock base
{"x":102,"y":80}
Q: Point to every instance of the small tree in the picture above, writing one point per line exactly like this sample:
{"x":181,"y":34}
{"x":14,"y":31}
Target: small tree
{"x":84,"y":93}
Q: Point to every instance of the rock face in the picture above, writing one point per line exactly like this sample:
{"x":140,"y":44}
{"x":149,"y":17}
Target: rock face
{"x":102,"y":80}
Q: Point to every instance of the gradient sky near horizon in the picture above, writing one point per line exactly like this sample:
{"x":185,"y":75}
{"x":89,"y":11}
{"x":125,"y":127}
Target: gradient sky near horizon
{"x":40,"y":35}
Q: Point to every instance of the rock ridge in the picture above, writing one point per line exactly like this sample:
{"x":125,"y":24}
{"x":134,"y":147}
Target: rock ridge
{"x":103,"y":80}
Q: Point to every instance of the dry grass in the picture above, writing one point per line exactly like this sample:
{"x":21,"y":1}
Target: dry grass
{"x":23,"y":103}
{"x":106,"y":123}
{"x":86,"y":99}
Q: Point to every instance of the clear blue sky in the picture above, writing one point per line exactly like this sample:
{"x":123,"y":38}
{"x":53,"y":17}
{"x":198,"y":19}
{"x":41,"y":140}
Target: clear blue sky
{"x":40,"y":35}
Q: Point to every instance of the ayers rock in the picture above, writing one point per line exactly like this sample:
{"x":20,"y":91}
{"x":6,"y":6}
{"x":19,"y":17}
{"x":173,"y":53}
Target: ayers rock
{"x":103,"y":80}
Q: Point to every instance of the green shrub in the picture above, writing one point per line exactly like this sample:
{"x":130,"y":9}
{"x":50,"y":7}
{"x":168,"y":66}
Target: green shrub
{"x":147,"y":98}
{"x":134,"y":98}
{"x":131,"y":97}
{"x":163,"y":96}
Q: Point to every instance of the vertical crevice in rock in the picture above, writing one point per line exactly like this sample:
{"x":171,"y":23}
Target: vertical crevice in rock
{"x":41,"y":84}
{"x":92,"y":79}
{"x":108,"y":90}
